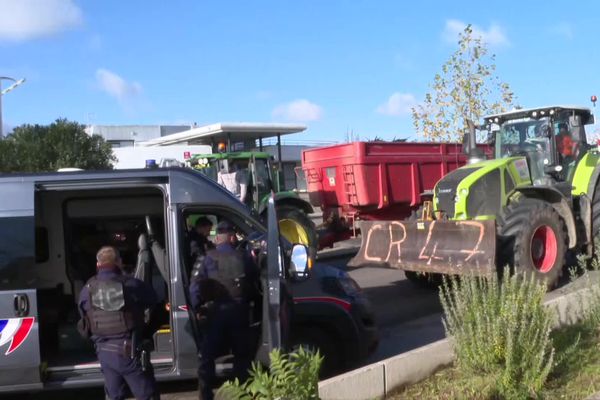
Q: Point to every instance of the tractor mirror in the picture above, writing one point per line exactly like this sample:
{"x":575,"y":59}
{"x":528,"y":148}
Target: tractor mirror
{"x":575,"y":121}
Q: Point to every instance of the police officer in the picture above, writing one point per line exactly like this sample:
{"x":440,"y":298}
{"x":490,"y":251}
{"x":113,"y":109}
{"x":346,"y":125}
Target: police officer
{"x":199,"y":242}
{"x":112,"y":308}
{"x":220,"y":292}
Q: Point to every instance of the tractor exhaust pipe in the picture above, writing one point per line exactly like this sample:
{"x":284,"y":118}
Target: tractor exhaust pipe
{"x":474,"y":154}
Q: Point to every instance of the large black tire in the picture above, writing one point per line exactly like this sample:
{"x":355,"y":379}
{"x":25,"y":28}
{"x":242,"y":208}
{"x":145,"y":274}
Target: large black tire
{"x":532,"y":240}
{"x":422,"y":279}
{"x":596,"y":213}
{"x":287,"y":212}
{"x":314,"y":338}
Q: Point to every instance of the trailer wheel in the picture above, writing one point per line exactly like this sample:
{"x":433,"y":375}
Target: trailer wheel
{"x":422,"y":279}
{"x":296,"y":227}
{"x":532,"y":240}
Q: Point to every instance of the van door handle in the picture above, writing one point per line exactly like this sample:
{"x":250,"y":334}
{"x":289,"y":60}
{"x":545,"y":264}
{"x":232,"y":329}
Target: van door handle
{"x":21,"y":303}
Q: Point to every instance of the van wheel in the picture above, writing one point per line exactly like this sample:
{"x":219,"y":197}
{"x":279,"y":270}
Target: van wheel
{"x":533,"y":240}
{"x":318,"y":339}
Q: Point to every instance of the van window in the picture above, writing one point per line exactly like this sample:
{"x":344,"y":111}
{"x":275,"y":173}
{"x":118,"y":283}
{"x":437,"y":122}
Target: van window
{"x":16,"y":251}
{"x":42,"y":251}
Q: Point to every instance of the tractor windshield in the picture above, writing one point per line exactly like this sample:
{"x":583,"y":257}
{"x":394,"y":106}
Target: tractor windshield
{"x":208,"y":167}
{"x":263,"y":176}
{"x":527,"y":137}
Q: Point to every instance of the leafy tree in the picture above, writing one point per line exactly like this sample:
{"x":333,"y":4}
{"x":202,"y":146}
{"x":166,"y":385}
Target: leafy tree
{"x":62,"y":144}
{"x":467,"y":88}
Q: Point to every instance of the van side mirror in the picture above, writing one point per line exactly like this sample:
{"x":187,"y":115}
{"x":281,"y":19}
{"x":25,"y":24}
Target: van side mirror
{"x":299,"y":261}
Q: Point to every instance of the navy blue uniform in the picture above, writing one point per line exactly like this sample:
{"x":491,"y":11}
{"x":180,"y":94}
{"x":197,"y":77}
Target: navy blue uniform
{"x":114,"y":351}
{"x":226,"y":316}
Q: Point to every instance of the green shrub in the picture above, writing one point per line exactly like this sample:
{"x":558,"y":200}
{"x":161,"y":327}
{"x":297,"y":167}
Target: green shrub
{"x":500,"y":328}
{"x":290,"y":376}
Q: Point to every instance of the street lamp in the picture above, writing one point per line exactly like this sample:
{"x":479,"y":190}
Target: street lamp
{"x":15,"y":83}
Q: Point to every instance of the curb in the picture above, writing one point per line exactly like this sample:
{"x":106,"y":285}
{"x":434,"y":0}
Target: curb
{"x":375,"y":381}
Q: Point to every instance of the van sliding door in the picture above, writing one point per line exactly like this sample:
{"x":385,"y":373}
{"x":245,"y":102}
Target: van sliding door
{"x":19,"y":339}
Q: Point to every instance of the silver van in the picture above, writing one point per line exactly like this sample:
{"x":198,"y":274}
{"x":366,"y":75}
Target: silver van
{"x":51,"y":226}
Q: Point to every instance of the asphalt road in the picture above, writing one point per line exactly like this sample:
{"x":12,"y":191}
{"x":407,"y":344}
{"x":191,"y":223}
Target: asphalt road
{"x":408,"y":317}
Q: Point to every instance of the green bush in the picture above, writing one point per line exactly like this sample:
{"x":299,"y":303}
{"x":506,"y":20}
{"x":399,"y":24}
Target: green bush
{"x":290,"y":376}
{"x":500,"y":328}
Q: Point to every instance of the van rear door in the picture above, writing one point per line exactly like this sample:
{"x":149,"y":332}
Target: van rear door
{"x":19,"y":339}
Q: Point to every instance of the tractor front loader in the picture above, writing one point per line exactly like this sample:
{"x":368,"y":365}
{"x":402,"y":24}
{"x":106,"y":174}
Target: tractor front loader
{"x":525,"y":208}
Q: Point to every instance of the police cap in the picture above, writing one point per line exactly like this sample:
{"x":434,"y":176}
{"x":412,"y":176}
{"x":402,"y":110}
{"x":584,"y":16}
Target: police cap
{"x":225,"y":227}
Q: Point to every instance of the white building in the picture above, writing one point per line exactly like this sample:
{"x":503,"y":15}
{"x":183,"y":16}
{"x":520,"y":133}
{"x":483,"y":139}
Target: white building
{"x":238,"y":136}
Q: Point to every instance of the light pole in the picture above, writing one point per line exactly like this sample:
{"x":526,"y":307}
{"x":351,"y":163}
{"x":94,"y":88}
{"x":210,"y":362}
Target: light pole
{"x":3,"y":92}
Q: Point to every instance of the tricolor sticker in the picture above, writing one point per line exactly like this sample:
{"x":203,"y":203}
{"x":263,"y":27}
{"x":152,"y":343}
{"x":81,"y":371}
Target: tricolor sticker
{"x":15,"y":331}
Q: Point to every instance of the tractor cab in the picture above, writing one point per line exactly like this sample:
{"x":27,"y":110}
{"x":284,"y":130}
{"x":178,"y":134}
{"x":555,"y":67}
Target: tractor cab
{"x":552,"y":139}
{"x":253,"y":169}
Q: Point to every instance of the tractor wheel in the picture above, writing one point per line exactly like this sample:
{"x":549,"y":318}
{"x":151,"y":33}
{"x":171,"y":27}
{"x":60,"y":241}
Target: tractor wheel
{"x":296,"y":227}
{"x":532,"y":240}
{"x":596,"y":213}
{"x":422,"y":279}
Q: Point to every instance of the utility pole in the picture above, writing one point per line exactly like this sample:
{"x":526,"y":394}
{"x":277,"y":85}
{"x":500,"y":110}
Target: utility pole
{"x":3,"y":92}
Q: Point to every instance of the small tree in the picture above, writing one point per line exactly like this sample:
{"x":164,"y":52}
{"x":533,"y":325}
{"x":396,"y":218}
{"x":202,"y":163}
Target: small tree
{"x":62,"y":144}
{"x":466,"y":88}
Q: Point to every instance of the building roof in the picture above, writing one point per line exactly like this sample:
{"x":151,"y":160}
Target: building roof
{"x":235,"y":131}
{"x":527,"y":112}
{"x":134,"y":133}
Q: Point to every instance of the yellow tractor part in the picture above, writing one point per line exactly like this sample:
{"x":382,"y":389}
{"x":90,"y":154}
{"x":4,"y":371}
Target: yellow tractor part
{"x":293,"y":232}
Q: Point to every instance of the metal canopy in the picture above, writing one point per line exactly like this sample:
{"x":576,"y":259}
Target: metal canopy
{"x":237,"y":131}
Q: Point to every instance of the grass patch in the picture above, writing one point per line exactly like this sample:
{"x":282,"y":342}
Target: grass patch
{"x":575,"y":375}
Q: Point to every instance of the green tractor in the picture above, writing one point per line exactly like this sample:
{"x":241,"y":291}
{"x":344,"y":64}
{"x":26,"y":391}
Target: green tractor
{"x":527,"y":207}
{"x":254,"y":169}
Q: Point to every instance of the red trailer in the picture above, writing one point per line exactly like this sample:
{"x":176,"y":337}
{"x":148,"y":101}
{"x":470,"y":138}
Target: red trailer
{"x":374,"y":180}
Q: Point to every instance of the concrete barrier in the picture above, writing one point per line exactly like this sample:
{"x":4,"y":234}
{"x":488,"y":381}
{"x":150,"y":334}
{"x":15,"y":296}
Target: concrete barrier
{"x":375,"y":381}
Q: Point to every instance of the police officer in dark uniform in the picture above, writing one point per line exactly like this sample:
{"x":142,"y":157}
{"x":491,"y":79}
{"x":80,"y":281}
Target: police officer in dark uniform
{"x":199,"y":242}
{"x":221,"y":289}
{"x":112,"y":307}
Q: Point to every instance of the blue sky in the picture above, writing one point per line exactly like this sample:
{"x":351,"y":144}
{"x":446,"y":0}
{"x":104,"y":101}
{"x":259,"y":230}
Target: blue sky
{"x":335,"y":65}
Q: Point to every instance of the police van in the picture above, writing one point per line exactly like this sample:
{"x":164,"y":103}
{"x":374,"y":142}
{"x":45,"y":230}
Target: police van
{"x":51,"y":226}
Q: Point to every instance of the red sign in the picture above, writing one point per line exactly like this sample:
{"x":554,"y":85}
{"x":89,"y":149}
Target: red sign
{"x":186,"y":155}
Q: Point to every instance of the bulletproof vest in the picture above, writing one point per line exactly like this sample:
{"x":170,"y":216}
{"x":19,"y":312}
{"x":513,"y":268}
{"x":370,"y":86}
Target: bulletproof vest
{"x":230,"y":272}
{"x":110,"y":314}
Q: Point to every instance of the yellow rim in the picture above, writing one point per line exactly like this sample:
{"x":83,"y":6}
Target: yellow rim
{"x":293,"y":231}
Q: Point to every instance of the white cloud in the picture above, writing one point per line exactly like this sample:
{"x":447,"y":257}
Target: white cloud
{"x":494,"y":35}
{"x":30,"y":19}
{"x":117,"y":87}
{"x":398,"y":104}
{"x":563,"y":29}
{"x":300,"y":110}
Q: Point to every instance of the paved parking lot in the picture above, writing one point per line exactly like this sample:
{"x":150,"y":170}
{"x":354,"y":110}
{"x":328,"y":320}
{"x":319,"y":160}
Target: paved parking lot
{"x":408,"y":317}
